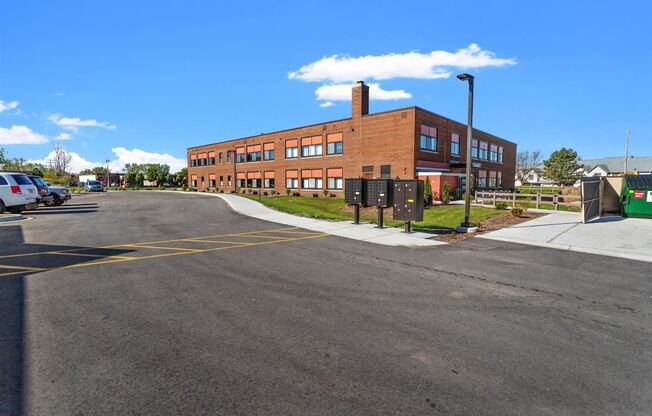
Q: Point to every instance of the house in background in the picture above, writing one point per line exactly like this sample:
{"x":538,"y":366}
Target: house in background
{"x":608,"y":166}
{"x":535,"y":178}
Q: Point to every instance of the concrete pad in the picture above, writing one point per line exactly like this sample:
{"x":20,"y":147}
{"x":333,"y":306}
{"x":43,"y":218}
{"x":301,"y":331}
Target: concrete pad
{"x":629,"y":238}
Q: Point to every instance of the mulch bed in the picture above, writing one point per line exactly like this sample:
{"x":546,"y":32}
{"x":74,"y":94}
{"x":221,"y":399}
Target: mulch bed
{"x":490,"y":224}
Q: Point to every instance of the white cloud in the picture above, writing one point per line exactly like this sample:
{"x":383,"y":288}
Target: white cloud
{"x":63,"y":136}
{"x":342,"y":92}
{"x":338,"y":72}
{"x":436,"y":64}
{"x":122,"y":156}
{"x":21,"y":135}
{"x":327,"y":104}
{"x":74,"y":123}
{"x":11,"y":105}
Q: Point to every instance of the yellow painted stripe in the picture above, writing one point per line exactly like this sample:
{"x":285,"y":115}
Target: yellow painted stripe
{"x":7,"y":266}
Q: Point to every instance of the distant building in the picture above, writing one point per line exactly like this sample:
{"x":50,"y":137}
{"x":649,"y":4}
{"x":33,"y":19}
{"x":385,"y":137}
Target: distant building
{"x":607,"y":166}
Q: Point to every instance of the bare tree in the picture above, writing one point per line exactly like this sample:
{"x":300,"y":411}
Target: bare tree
{"x":61,"y":160}
{"x":526,"y":162}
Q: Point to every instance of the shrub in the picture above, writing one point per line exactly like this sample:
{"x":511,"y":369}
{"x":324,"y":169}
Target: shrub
{"x":249,"y":191}
{"x":501,"y":205}
{"x":427,"y":192}
{"x":296,"y":194}
{"x":288,"y":192}
{"x":232,"y":191}
{"x":255,"y":192}
{"x":517,"y":211}
{"x":272,"y":192}
{"x":446,"y":194}
{"x":332,"y":195}
{"x":325,"y":192}
{"x":221,"y":191}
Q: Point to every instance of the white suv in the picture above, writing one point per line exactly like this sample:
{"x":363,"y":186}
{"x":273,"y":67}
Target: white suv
{"x":17,"y":192}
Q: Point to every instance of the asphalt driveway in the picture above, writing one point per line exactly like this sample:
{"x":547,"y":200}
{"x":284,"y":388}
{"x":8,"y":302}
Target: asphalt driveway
{"x":162,"y":303}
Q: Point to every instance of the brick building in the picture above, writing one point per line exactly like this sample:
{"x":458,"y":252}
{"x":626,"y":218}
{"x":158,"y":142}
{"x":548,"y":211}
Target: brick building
{"x":406,"y":143}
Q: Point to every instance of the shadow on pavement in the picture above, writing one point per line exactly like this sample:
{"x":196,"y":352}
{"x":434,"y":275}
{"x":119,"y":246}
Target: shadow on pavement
{"x":12,"y":305}
{"x":64,"y":209}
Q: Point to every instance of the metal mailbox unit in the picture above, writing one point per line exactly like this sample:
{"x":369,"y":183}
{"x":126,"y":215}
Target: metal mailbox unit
{"x":408,"y":202}
{"x":355,"y":193}
{"x":380,"y":194}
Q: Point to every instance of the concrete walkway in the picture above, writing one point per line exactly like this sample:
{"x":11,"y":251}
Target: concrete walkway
{"x":629,"y":238}
{"x":364,"y":232}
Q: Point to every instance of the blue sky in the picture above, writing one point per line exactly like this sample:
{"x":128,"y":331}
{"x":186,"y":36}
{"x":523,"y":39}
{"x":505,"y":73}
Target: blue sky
{"x":122,"y":80}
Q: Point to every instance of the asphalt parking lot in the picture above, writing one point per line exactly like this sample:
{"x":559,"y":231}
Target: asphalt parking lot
{"x":169,"y":303}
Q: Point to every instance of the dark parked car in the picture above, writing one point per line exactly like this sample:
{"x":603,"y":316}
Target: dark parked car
{"x":44,"y":196}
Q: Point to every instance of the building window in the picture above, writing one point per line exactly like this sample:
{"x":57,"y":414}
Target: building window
{"x":222,"y":181}
{"x":291,"y":149}
{"x":500,"y":154}
{"x":311,"y":179}
{"x":492,"y":179}
{"x":335,"y":179}
{"x":386,"y":171}
{"x":428,"y":139}
{"x":484,"y":150}
{"x":268,"y":151}
{"x":221,"y":157}
{"x":334,"y":144}
{"x":268,"y":181}
{"x":239,"y":155}
{"x":493,"y":152}
{"x":474,"y":148}
{"x":311,"y":146}
{"x":292,"y":179}
{"x":254,"y":153}
{"x":193,"y":161}
{"x":193,"y":181}
{"x":202,"y":182}
{"x":455,"y":144}
{"x":211,"y":158}
{"x":499,"y":180}
{"x":211,"y":183}
{"x":482,"y":179}
{"x":228,"y":180}
{"x":240,"y":180}
{"x":202,"y":158}
{"x":368,"y":169}
{"x":228,"y":157}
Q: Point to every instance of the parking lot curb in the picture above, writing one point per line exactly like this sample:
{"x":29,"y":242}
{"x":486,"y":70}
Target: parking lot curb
{"x":6,"y":218}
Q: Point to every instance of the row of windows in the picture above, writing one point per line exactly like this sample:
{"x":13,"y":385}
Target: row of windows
{"x":212,"y":183}
{"x":495,"y":179}
{"x":480,"y":149}
{"x":208,"y":159}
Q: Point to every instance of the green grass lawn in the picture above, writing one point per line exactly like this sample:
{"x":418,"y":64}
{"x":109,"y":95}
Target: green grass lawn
{"x":436,"y":217}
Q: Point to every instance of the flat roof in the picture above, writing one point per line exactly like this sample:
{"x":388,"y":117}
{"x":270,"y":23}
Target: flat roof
{"x":348,"y":118}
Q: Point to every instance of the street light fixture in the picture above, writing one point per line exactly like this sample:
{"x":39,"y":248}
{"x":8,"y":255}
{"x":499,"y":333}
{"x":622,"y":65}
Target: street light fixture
{"x":466,"y":225}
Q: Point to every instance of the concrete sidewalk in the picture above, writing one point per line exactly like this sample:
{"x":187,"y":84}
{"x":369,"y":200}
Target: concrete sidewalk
{"x":364,"y":232}
{"x":629,"y":238}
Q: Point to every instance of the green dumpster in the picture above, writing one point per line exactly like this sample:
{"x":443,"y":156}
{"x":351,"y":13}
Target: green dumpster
{"x":637,"y":196}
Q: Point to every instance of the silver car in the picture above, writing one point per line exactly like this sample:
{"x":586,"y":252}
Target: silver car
{"x":94,"y":186}
{"x":60,"y":194}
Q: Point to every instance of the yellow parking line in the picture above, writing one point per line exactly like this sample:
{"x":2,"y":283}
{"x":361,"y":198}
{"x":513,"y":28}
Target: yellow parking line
{"x":61,"y":253}
{"x":35,"y":269}
{"x":158,"y":247}
{"x":13,"y":273}
{"x":196,"y":240}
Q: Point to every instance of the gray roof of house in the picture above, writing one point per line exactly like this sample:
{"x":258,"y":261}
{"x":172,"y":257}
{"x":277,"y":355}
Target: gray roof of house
{"x":617,"y":164}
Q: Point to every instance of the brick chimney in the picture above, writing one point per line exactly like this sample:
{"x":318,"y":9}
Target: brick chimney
{"x":359,"y":100}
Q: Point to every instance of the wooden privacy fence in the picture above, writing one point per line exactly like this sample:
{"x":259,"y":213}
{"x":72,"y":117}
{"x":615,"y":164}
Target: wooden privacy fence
{"x":538,"y":199}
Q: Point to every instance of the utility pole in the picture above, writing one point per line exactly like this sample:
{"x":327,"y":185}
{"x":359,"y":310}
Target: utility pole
{"x":626,"y":152}
{"x":466,"y":225}
{"x":108,"y":175}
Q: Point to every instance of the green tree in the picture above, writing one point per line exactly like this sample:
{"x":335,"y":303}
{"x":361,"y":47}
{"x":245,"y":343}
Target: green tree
{"x":562,"y":167}
{"x":3,"y":157}
{"x":139,"y":178}
{"x":131,"y":170}
{"x":97,"y":170}
{"x":182,"y":177}
{"x":427,"y":192}
{"x":151,"y":171}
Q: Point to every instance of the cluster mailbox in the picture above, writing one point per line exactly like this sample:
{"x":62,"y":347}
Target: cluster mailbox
{"x":380,"y":193}
{"x":408,"y":200}
{"x":355,"y":191}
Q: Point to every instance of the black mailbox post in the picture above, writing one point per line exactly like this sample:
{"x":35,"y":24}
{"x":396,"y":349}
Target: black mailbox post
{"x":355,"y":193}
{"x":380,"y":194}
{"x":408,"y":202}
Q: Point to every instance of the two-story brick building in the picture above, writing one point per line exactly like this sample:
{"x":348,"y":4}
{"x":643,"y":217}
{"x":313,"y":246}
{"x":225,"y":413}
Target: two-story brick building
{"x":405,"y":143}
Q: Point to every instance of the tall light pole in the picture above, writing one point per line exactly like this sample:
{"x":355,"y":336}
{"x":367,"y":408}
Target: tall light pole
{"x":108,"y":175}
{"x":469,"y":137}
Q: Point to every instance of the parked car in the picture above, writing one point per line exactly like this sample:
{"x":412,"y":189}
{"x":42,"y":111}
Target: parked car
{"x":94,"y":186}
{"x":60,"y":194}
{"x":44,"y":195}
{"x":17,"y":192}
